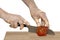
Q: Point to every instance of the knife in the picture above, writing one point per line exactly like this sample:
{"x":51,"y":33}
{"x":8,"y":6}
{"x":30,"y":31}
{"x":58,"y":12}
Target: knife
{"x":33,"y":29}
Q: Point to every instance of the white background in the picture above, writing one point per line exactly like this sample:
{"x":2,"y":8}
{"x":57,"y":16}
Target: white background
{"x":51,"y":7}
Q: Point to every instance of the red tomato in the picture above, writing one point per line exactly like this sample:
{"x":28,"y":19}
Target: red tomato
{"x":41,"y":30}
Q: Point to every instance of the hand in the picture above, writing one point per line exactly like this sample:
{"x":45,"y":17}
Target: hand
{"x":38,"y":14}
{"x":13,"y":19}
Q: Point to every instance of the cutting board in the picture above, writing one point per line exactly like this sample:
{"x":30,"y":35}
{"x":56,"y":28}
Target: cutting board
{"x":30,"y":36}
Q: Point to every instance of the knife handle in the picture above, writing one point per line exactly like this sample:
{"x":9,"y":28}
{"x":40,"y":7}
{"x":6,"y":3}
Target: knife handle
{"x":23,"y":24}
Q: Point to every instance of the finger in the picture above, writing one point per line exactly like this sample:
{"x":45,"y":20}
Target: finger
{"x":46,"y":21}
{"x":21,"y":26}
{"x":15,"y":24}
{"x":44,"y":18}
{"x":26,"y":22}
{"x":12,"y":24}
{"x":42,"y":23}
{"x":37,"y":22}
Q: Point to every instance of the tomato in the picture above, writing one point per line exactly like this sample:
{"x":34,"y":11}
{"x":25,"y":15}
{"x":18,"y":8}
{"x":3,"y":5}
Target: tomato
{"x":42,"y":30}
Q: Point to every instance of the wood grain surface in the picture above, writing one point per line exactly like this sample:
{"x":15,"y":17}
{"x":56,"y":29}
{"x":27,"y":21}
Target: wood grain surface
{"x":30,"y":36}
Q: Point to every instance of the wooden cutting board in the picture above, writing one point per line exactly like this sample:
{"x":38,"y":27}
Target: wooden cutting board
{"x":30,"y":36}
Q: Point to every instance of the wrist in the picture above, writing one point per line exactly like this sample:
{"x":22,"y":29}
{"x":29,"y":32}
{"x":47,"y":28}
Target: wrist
{"x":33,"y":8}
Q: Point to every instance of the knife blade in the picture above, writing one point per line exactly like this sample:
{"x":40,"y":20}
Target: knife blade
{"x":33,"y":29}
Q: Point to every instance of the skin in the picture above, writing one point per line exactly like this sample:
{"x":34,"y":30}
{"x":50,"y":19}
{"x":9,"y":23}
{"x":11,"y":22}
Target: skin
{"x":13,"y":19}
{"x":36,"y":13}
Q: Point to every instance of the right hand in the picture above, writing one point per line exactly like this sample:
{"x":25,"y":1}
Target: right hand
{"x":38,"y":14}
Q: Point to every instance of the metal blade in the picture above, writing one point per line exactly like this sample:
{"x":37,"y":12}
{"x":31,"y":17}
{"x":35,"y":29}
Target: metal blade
{"x":33,"y":29}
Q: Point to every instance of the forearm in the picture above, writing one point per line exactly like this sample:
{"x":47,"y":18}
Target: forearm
{"x":30,"y":4}
{"x":2,"y":12}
